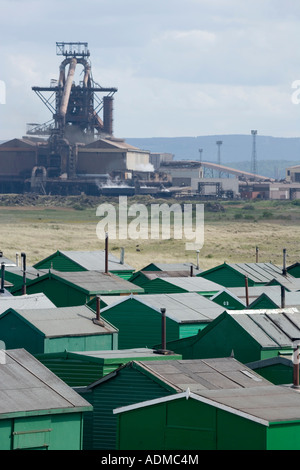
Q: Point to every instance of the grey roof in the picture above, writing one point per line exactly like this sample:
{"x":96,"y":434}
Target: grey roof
{"x":177,"y":267}
{"x":271,"y":328}
{"x":66,"y":321}
{"x":95,"y":260}
{"x":205,"y":374}
{"x":31,"y":273}
{"x":253,"y":291}
{"x":194,"y":284}
{"x":289,"y":282}
{"x":27,"y":386}
{"x":29,"y":301}
{"x":182,"y":308}
{"x":119,"y":353}
{"x":97,"y":282}
{"x":259,"y":272}
{"x":292,"y":299}
{"x":6,"y":261}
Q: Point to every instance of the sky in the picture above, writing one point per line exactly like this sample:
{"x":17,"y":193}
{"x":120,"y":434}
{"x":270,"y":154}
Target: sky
{"x":182,"y":68}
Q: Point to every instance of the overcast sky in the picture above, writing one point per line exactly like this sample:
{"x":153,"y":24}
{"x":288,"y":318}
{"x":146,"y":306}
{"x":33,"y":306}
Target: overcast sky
{"x":182,"y":68}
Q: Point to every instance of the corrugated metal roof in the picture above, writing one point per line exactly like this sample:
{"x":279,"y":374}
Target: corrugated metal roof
{"x":6,"y":261}
{"x":292,"y":299}
{"x":32,"y":301}
{"x":182,"y":308}
{"x":258,"y":272}
{"x":95,"y":260}
{"x":26,"y":386}
{"x":119,"y":353}
{"x":270,"y":328}
{"x":96,"y":282}
{"x":66,"y":321}
{"x":253,"y":291}
{"x":177,"y":267}
{"x":31,"y":273}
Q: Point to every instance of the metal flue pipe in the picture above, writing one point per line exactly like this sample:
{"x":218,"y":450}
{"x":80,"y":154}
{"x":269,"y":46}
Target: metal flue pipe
{"x":98,"y":307}
{"x":23,"y":256}
{"x":296,"y":343}
{"x":106,"y":253}
{"x":163,"y":329}
{"x":284,"y":271}
{"x":247,"y":291}
{"x":2,"y":277}
{"x":282,"y":288}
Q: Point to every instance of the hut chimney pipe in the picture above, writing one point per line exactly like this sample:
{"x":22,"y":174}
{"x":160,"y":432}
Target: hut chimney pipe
{"x":282,"y":288}
{"x":122,"y":256}
{"x":98,"y":307}
{"x":23,"y":256}
{"x":256,"y":254}
{"x":198,"y":251}
{"x":17,"y":259}
{"x":247,"y":291}
{"x":284,"y":272}
{"x":296,"y":343}
{"x":2,"y":277}
{"x":163,"y":329}
{"x":106,"y":253}
{"x":191,"y":271}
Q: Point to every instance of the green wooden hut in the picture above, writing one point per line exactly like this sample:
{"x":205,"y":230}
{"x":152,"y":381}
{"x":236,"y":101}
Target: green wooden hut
{"x":294,"y":269}
{"x":228,"y":300}
{"x":38,"y":410}
{"x":33,"y":301}
{"x":56,"y":330}
{"x":85,"y":261}
{"x":84,"y":367}
{"x":255,"y":418}
{"x":274,"y":300}
{"x":177,"y":285}
{"x":142,"y":381}
{"x":233,"y":274}
{"x":14,"y":275}
{"x":172,"y":267}
{"x":249,"y":335}
{"x":278,"y":370}
{"x":66,"y":289}
{"x":139,"y":319}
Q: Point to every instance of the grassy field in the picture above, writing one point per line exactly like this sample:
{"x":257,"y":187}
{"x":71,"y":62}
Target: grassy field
{"x":232,"y":230}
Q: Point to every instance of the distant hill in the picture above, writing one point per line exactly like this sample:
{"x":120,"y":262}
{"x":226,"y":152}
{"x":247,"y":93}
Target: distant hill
{"x":273,"y":154}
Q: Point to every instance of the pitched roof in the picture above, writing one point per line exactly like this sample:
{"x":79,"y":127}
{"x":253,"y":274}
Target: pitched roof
{"x":95,"y":260}
{"x":32,"y":301}
{"x":64,"y":321}
{"x":182,"y":308}
{"x":27,"y":386}
{"x":194,"y":284}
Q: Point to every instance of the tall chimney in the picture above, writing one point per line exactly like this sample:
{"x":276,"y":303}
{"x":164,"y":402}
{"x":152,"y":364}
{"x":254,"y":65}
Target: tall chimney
{"x":284,"y":271}
{"x":2,"y":277}
{"x":23,"y":256}
{"x":247,"y":291}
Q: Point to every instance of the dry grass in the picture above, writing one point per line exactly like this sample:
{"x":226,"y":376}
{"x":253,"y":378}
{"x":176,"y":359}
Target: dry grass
{"x":39,"y":232}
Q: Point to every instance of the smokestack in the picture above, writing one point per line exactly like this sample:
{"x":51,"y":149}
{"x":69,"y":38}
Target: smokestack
{"x":296,"y":342}
{"x":282,"y":296}
{"x":106,"y":253}
{"x":284,"y":271}
{"x":163,"y":329}
{"x":108,"y":114}
{"x":23,"y":256}
{"x":2,"y":277}
{"x":122,"y":256}
{"x":247,"y":291}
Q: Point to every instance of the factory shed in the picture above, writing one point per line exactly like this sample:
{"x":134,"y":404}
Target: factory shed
{"x":139,"y":318}
{"x":85,"y":261}
{"x":233,"y":274}
{"x":278,"y":370}
{"x":33,"y":301}
{"x":249,"y":335}
{"x":66,"y":289}
{"x":228,"y":300}
{"x":38,"y":411}
{"x":141,"y":381}
{"x":56,"y":330}
{"x":82,"y":368}
{"x":176,"y":285}
{"x":263,"y":417}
